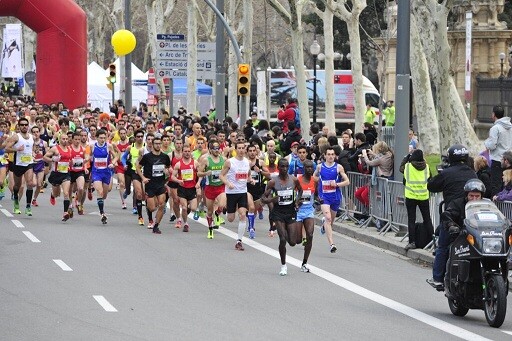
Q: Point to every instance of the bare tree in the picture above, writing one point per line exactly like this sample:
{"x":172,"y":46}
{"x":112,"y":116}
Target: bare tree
{"x":293,"y":19}
{"x":351,"y":17}
{"x":327,"y":17}
{"x":192,"y":56}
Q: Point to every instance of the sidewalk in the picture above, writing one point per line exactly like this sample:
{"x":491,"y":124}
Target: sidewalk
{"x":388,"y":241}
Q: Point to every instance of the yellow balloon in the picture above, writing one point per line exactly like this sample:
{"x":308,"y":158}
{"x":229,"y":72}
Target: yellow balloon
{"x":123,"y":42}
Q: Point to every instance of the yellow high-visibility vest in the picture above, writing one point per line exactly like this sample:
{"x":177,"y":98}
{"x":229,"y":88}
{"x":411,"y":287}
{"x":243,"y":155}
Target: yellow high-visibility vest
{"x":416,"y":182}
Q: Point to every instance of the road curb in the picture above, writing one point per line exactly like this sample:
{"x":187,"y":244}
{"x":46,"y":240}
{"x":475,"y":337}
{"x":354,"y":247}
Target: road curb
{"x":371,"y":236}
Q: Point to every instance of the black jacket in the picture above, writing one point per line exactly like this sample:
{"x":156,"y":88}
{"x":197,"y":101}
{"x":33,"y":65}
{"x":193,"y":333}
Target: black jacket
{"x":484,"y":174}
{"x":451,"y":182}
{"x":454,"y":213}
{"x":286,"y":144}
{"x":353,"y":159}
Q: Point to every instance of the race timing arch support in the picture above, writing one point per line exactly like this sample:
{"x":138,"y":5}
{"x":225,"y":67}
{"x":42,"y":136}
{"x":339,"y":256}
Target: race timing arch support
{"x":61,"y":55}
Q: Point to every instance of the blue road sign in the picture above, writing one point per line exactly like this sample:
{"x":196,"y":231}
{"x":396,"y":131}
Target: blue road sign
{"x":175,"y":37}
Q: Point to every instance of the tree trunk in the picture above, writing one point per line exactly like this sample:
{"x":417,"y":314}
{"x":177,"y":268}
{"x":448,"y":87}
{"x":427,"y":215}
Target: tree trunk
{"x":454,"y":124}
{"x":423,"y":100}
{"x":192,"y":56}
{"x":357,"y":71}
{"x":247,"y":39}
{"x":328,"y":18}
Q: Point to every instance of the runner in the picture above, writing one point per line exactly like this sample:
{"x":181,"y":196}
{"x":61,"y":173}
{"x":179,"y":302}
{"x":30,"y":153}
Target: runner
{"x":271,"y":171}
{"x":121,"y":145}
{"x":332,"y":178}
{"x":255,"y":188}
{"x":210,"y":167}
{"x":235,"y":175}
{"x":84,"y":142}
{"x":59,"y":178}
{"x":77,"y":173}
{"x":306,"y":212}
{"x":3,"y":160}
{"x":40,"y":147}
{"x":103,"y":161}
{"x":174,"y":201}
{"x":132,"y":160}
{"x":185,"y":174}
{"x":155,"y":167}
{"x":22,"y":145}
{"x":281,"y":191}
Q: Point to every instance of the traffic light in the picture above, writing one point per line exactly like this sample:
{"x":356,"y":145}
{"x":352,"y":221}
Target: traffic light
{"x":244,"y":79}
{"x":112,"y":73}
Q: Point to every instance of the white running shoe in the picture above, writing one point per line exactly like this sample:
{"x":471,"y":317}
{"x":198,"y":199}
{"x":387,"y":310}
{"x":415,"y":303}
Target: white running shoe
{"x":304,"y":268}
{"x":284,"y":270}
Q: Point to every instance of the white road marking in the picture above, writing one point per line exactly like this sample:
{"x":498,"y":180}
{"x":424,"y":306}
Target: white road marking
{"x":7,"y":213}
{"x":62,"y":265}
{"x":356,"y":289}
{"x":30,"y":236}
{"x":18,"y":223}
{"x":507,"y":332}
{"x":105,"y":304}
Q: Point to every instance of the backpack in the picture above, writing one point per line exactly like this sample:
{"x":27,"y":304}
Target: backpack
{"x":297,"y":117}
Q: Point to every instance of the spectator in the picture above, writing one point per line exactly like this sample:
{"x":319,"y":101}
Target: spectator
{"x":347,"y":141}
{"x":292,"y":136}
{"x":369,"y":115}
{"x":288,"y":115}
{"x":506,"y":193}
{"x":370,"y":132}
{"x":263,"y":130}
{"x":413,"y":141}
{"x":390,"y":114}
{"x":484,"y":174}
{"x":381,"y":157}
{"x":360,"y":143}
{"x":254,"y":119}
{"x":499,"y":141}
{"x":416,"y":175}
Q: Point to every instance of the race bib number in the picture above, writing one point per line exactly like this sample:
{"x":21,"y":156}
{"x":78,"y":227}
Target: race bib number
{"x":62,"y":167}
{"x":158,"y":170}
{"x":215,"y":175}
{"x":187,"y":174}
{"x":26,"y":158}
{"x":327,"y":186}
{"x":77,"y":163}
{"x":241,"y":176}
{"x":285,"y":197}
{"x":306,"y":195}
{"x":100,"y":163}
{"x":255,"y":176}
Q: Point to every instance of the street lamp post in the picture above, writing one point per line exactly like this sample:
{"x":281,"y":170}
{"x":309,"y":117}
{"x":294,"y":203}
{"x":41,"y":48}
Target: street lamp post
{"x":502,"y":59}
{"x":315,"y":51}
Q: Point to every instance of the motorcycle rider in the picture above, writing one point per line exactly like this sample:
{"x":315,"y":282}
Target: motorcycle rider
{"x":453,"y":216}
{"x":450,"y":181}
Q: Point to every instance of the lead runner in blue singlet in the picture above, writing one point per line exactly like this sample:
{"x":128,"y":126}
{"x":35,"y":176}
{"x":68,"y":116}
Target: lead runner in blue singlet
{"x":331,"y":178}
{"x":103,"y":161}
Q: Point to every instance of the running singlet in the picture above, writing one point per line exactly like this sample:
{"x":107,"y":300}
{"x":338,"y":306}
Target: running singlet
{"x":285,"y":192}
{"x":24,"y":158}
{"x":100,"y":157}
{"x":188,"y":174}
{"x":174,"y":159}
{"x":39,"y":152}
{"x":216,"y":168}
{"x":328,"y":178}
{"x":62,"y":166}
{"x":238,"y":175}
{"x":77,"y":159}
{"x":308,"y":191}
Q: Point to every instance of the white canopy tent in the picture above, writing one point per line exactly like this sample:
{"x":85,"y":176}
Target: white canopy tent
{"x":99,"y":96}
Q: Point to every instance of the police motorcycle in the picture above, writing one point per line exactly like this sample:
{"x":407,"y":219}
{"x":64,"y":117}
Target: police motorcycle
{"x":477,"y":268}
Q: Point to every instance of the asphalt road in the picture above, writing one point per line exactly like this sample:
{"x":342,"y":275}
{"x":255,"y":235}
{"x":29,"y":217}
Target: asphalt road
{"x":81,"y":280}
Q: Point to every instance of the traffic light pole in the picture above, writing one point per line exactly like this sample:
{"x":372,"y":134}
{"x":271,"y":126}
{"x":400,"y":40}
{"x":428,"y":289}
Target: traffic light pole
{"x":127,"y":61}
{"x":236,"y":47}
{"x":113,"y":94}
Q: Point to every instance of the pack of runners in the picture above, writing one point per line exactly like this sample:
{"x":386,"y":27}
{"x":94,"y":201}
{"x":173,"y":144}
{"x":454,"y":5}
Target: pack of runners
{"x":183,"y":164}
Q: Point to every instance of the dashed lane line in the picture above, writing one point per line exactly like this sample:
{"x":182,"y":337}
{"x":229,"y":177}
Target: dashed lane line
{"x":30,"y":236}
{"x":102,"y":301}
{"x":62,"y":265}
{"x":18,"y":223}
{"x":6,"y":212}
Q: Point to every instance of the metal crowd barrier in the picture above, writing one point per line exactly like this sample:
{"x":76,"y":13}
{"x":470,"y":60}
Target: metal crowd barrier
{"x":350,"y":205}
{"x":398,"y":211}
{"x":380,"y":209}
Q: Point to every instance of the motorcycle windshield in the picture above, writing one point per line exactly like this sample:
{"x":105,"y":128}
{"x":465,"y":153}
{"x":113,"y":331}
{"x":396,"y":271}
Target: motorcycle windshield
{"x":483,"y":215}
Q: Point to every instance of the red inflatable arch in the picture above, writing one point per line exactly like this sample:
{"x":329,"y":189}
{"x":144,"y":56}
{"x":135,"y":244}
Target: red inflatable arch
{"x":61,"y":56}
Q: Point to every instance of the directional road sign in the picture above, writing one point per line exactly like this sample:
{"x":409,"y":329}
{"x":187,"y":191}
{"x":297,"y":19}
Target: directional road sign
{"x":183,"y":74}
{"x":181,"y":55}
{"x":171,"y":36}
{"x":183,"y":46}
